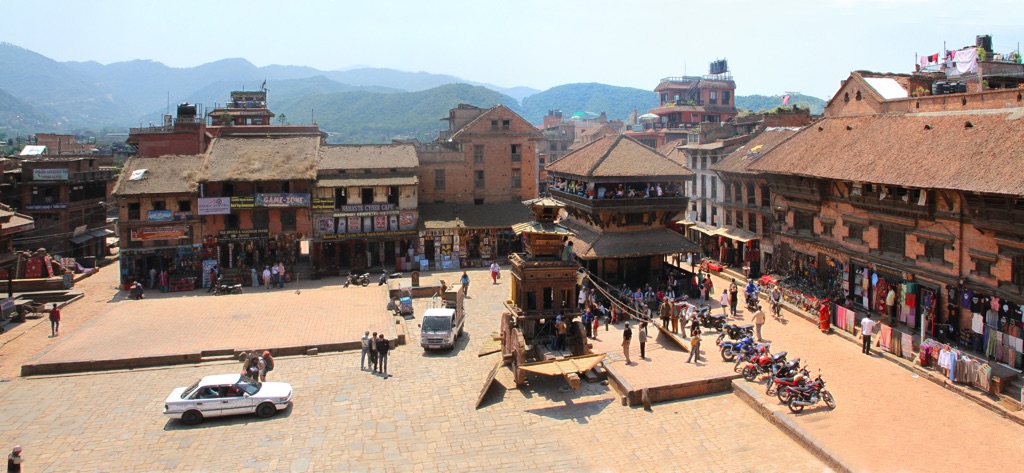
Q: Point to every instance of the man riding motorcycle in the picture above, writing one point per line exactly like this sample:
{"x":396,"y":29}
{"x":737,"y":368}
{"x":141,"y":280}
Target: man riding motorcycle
{"x":751,"y":292}
{"x":776,"y":300}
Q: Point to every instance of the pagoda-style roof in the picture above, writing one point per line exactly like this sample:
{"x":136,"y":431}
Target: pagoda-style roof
{"x":615,"y":157}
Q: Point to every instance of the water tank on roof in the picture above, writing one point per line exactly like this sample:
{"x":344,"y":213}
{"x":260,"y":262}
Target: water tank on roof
{"x":938,"y":87}
{"x":961,"y":88}
{"x":186,"y":110}
{"x":984,"y":42}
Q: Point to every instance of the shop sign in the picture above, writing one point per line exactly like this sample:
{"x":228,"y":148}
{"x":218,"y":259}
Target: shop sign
{"x":380,"y":223}
{"x":355,"y":224}
{"x":159,"y":216}
{"x":49,"y":174}
{"x":242,"y":202}
{"x":158,"y":233}
{"x":367,"y":208}
{"x":396,"y":233}
{"x":243,"y":234}
{"x":282,"y":200}
{"x":182,"y":215}
{"x":366,"y":214}
{"x":323,"y":204}
{"x":55,"y":206}
{"x":215,"y":205}
{"x":326,"y":225}
{"x":407,"y":221}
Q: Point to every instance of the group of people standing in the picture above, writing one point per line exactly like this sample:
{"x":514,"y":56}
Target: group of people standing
{"x":377,"y":347}
{"x":256,"y":365}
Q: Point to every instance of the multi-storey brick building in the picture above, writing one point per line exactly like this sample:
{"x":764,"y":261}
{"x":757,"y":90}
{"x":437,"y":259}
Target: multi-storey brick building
{"x":924,"y":200}
{"x":471,"y":182}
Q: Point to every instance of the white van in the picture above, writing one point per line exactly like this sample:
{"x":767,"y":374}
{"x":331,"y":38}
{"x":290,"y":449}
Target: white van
{"x":440,"y":328}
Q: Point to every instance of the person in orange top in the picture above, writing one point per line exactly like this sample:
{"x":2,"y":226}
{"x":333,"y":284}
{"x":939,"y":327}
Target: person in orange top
{"x":54,"y":321}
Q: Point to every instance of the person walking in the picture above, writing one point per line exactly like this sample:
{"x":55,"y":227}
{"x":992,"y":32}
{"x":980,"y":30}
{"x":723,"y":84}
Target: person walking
{"x":866,"y":327}
{"x":14,"y":460}
{"x":724,"y":302}
{"x":465,"y":283}
{"x":54,"y":321}
{"x":758,"y":320}
{"x":165,"y":281}
{"x":268,"y":365}
{"x":627,"y":335}
{"x":665,"y":311}
{"x":704,"y":291}
{"x":280,"y":275}
{"x":642,"y":338}
{"x":588,"y":322}
{"x":383,"y":346}
{"x":674,"y":317}
{"x":694,"y":345}
{"x":495,"y":272}
{"x":213,"y":279}
{"x":365,"y":341}
{"x":734,"y":292}
{"x":373,"y":353}
{"x":266,"y":276}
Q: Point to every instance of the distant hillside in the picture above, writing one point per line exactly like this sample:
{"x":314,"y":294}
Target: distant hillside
{"x":369,"y":117}
{"x":616,"y":102}
{"x":757,"y":103}
{"x":18,"y":117}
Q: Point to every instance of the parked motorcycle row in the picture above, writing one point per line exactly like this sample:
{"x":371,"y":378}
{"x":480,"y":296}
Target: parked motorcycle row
{"x":788,"y":380}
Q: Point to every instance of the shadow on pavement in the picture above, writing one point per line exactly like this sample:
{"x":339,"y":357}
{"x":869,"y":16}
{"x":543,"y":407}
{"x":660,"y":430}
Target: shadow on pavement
{"x":227,"y":421}
{"x":461,"y":344}
{"x":572,"y":410}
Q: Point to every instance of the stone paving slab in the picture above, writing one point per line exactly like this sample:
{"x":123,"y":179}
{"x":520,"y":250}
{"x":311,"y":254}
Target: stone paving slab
{"x":192,"y":322}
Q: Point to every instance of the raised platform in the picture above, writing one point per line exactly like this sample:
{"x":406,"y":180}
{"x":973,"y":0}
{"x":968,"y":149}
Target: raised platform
{"x":429,"y":286}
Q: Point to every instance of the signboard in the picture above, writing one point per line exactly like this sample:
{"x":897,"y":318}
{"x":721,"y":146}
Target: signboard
{"x":215,"y":205}
{"x":56,"y":206}
{"x":242,"y":202}
{"x":243,"y":234}
{"x":323,"y":204}
{"x":159,"y":216}
{"x":380,"y":223}
{"x":342,"y":225}
{"x":158,"y":233}
{"x":49,"y":174}
{"x":336,"y":236}
{"x":282,"y":200}
{"x":406,"y":221}
{"x":326,"y":225}
{"x":182,"y":215}
{"x":367,"y":208}
{"x":355,"y":224}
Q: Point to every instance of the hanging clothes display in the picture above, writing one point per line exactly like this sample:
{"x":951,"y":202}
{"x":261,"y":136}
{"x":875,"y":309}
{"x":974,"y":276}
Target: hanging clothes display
{"x":908,"y":346}
{"x":885,"y":337}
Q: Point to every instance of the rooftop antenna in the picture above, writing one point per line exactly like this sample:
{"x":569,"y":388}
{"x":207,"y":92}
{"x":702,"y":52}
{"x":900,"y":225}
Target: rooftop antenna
{"x":168,"y":112}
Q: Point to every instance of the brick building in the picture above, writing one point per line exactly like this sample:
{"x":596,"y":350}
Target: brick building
{"x":57,"y":144}
{"x":926,"y":203}
{"x":620,"y":196}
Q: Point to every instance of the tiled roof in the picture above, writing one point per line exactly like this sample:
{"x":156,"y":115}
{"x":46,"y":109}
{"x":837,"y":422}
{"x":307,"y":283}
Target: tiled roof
{"x":368,"y":156}
{"x":742,"y":157}
{"x":487,"y":116}
{"x":671,"y":151}
{"x":164,"y":175}
{"x":589,"y":244}
{"x":977,"y":151}
{"x":437,"y":216}
{"x":618,"y":156}
{"x":262,"y":159}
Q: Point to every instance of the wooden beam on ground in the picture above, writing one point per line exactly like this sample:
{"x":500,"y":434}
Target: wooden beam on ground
{"x":488,"y":383}
{"x":684,"y":344}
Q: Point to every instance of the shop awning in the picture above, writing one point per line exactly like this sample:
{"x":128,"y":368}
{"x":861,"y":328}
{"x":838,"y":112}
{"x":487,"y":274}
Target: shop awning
{"x":78,"y":240}
{"x":369,"y":180}
{"x":685,"y":221}
{"x":737,"y":234}
{"x":704,"y":228}
{"x":101,"y":232}
{"x":18,"y":223}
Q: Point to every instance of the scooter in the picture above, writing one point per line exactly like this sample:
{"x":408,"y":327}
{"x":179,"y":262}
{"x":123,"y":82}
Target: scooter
{"x":358,"y":279}
{"x":221,"y":289}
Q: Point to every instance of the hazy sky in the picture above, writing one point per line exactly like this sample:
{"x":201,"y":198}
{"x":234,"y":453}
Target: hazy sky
{"x":772,"y":46}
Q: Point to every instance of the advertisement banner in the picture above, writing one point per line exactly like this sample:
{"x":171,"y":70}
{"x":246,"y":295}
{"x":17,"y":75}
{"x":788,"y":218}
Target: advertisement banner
{"x":215,"y":205}
{"x":182,"y":215}
{"x":323,"y":204}
{"x":354,"y":224}
{"x":49,"y":174}
{"x":159,"y":216}
{"x":242,"y":202}
{"x":392,"y":222}
{"x":243,"y":234}
{"x":380,"y":223}
{"x":342,"y":225}
{"x":354,"y":235}
{"x":326,"y":225}
{"x":406,"y":221}
{"x":158,"y":233}
{"x":56,"y":206}
{"x":282,"y":200}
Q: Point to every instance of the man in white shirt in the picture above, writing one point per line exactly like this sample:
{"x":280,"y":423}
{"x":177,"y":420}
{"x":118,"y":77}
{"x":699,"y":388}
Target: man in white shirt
{"x":866,"y":327}
{"x":266,"y":277}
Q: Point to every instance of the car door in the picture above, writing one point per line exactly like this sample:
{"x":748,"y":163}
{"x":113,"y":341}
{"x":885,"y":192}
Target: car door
{"x":207,"y":400}
{"x":234,"y":401}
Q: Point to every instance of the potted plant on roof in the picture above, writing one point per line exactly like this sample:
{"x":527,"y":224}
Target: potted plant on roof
{"x":1015,"y":57}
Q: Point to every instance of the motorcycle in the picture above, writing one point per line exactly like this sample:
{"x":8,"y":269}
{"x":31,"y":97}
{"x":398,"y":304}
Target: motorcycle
{"x":753,"y":302}
{"x":777,"y":309}
{"x":708,"y":320}
{"x":800,"y":397}
{"x":780,"y":386}
{"x":358,"y":279}
{"x":763,"y":364}
{"x":221,"y":288}
{"x":735,"y":332}
{"x":730,"y":350}
{"x":749,"y":353}
{"x":782,"y":371}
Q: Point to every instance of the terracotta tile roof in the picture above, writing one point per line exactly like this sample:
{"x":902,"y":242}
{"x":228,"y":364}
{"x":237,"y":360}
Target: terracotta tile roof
{"x":671,"y":151}
{"x":618,"y":156}
{"x":502,"y":215}
{"x":368,"y":156}
{"x":976,"y":151}
{"x":487,"y":116}
{"x":164,"y":175}
{"x":262,"y":159}
{"x":589,"y":244}
{"x":739,"y":160}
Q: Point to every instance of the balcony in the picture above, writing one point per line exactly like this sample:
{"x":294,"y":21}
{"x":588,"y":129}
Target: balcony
{"x":641,"y":204}
{"x":893,"y":206}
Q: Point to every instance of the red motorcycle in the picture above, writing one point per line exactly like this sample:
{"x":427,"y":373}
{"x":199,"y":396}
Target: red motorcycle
{"x":809,"y":395}
{"x":763,"y":364}
{"x":778,"y":385}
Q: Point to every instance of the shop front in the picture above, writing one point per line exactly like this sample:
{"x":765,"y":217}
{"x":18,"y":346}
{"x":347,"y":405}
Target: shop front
{"x":364,"y":237}
{"x":238,"y":251}
{"x":740,"y":248}
{"x":453,"y":248}
{"x":148,"y":264}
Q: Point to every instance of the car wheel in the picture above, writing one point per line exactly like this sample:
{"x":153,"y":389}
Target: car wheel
{"x":266,"y":410}
{"x":192,"y":417}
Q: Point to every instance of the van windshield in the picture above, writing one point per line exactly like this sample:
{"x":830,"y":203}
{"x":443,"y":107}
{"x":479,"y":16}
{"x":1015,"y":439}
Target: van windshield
{"x":436,"y":324}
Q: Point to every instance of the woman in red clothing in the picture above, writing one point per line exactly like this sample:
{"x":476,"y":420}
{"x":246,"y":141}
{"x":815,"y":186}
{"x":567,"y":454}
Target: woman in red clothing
{"x":824,"y":317}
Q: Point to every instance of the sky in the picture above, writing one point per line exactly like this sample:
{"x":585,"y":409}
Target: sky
{"x":772,"y":47}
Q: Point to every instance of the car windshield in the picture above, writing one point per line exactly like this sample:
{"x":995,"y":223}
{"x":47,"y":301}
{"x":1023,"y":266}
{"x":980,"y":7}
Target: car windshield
{"x":249,"y":386}
{"x":436,"y":324}
{"x":189,"y":390}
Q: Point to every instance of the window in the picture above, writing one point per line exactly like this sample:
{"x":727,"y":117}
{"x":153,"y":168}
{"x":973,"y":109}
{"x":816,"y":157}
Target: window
{"x":393,"y":193}
{"x":1017,"y":270}
{"x":288,"y":220}
{"x":803,"y":221}
{"x":553,"y":147}
{"x":517,"y":179}
{"x":494,"y":124}
{"x":158,"y":205}
{"x":478,"y":154}
{"x":714,"y":187}
{"x":703,"y":186}
{"x":892,"y":241}
{"x":231,"y":221}
{"x":367,"y":195}
{"x":517,"y":153}
{"x":635,"y":219}
{"x":983,"y":267}
{"x":541,"y":160}
{"x":478,"y":179}
{"x":752,"y":221}
{"x":856,"y":232}
{"x":738,"y":196}
{"x":727,"y":191}
{"x":439,"y":179}
{"x":478,"y":201}
{"x":341,"y":198}
{"x":766,"y":198}
{"x":564,"y":146}
{"x":713,"y":97}
{"x":506,"y":124}
{"x":934,"y":250}
{"x":739,"y":219}
{"x":694,"y":165}
{"x":134,"y":211}
{"x":728,"y":218}
{"x":260,"y":218}
{"x":826,"y":229}
{"x":703,"y":162}
{"x":184,"y":206}
{"x":228,"y":189}
{"x":725,"y":97}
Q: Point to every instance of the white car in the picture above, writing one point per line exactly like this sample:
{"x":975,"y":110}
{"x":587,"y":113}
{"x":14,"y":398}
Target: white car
{"x":224,"y":395}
